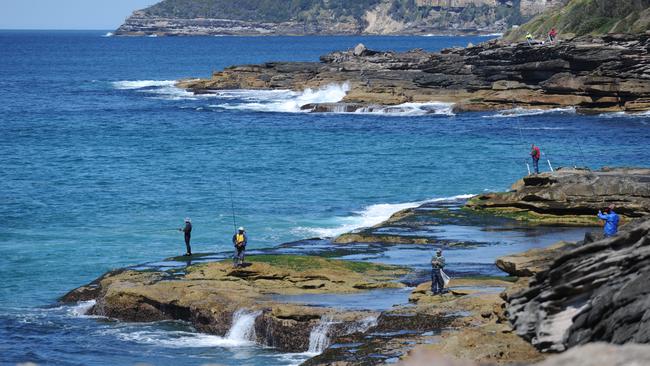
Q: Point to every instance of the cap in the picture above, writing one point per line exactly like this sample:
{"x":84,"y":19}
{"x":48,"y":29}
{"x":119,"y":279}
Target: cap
{"x":187,"y":219}
{"x":241,"y":228}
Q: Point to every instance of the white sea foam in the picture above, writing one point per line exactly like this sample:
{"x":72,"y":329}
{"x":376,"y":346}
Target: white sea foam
{"x":81,"y":308}
{"x":410,"y":109}
{"x":369,"y":216}
{"x":522,"y":112}
{"x":491,"y":35}
{"x":177,"y":339}
{"x":645,"y":114}
{"x":282,"y":101}
{"x":109,"y":34}
{"x":142,"y":84}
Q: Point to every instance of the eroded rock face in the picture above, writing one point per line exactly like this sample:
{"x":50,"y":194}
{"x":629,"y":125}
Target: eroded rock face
{"x":597,"y":292}
{"x":572,"y":196}
{"x":210,"y":295}
{"x":611,"y":73}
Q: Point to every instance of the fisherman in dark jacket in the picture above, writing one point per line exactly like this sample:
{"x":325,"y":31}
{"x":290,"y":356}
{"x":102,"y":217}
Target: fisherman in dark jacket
{"x":437,"y":282}
{"x":239,"y":240}
{"x":187,"y":229}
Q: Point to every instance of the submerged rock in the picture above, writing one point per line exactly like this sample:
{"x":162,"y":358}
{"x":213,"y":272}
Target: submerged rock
{"x":597,"y":292}
{"x":594,"y":75}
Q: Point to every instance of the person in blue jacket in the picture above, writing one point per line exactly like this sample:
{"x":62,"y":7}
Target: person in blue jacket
{"x":611,"y":221}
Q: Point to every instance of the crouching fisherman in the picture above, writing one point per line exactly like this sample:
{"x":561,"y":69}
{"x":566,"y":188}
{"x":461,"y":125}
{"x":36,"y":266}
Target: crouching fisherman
{"x":239,"y":240}
{"x":437,"y":282}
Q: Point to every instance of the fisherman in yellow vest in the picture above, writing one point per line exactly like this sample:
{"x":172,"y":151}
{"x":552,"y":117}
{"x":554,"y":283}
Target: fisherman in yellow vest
{"x":239,"y":240}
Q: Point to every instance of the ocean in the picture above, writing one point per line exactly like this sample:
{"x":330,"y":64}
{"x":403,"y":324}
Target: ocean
{"x":102,"y":158}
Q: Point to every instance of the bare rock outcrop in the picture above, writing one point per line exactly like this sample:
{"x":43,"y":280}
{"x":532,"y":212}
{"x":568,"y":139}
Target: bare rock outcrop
{"x":572,"y":196}
{"x":597,"y":292}
{"x":606,"y":74}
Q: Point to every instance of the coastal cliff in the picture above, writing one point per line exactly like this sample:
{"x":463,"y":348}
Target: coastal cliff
{"x":341,"y":17}
{"x":592,"y":74}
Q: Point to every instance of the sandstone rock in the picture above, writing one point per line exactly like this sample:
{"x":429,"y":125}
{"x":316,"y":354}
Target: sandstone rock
{"x":533,"y":261}
{"x":208,"y":295}
{"x":597,"y":292}
{"x":572,"y":196}
{"x":607,"y":74}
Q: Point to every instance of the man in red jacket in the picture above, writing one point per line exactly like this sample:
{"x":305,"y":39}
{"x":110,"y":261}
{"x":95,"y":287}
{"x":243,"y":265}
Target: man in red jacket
{"x":535,"y":154}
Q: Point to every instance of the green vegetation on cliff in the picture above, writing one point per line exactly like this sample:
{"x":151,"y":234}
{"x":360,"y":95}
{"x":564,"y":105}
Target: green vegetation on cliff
{"x":314,"y":10}
{"x":581,"y":17}
{"x":259,"y":10}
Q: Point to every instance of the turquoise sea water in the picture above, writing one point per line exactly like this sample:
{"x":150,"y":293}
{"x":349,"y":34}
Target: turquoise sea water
{"x":102,"y":158}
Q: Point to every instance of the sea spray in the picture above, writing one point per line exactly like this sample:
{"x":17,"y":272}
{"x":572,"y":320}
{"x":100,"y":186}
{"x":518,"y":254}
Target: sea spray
{"x":319,"y":338}
{"x":370,"y":216}
{"x":243,"y":326}
{"x":81,"y":308}
{"x":282,"y":101}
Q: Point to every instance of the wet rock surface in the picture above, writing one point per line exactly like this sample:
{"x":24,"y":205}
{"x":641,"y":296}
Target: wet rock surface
{"x":610,"y":73}
{"x":596,"y":292}
{"x":571,"y":196}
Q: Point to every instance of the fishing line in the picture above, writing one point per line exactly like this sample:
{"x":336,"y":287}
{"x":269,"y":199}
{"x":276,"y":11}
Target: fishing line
{"x":232,"y":204}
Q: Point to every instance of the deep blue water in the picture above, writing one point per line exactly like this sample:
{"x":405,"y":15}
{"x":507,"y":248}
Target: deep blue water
{"x":101,"y":159}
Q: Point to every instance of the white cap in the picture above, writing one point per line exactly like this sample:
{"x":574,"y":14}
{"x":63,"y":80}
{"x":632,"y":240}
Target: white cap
{"x":187,"y":219}
{"x":241,"y":228}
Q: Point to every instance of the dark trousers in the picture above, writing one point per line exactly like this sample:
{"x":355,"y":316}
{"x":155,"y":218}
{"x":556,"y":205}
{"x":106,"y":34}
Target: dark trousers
{"x":239,"y":255}
{"x":437,"y":283}
{"x":187,"y":243}
{"x":536,"y":165}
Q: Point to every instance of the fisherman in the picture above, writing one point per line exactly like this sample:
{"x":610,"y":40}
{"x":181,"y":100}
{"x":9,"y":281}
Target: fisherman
{"x":552,"y":34}
{"x":529,"y":38}
{"x":437,"y":282}
{"x":187,"y":229}
{"x":611,"y":221}
{"x":535,"y":153}
{"x":239,"y":240}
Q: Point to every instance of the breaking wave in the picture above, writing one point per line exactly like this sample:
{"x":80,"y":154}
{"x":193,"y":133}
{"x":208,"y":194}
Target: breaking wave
{"x":142,"y":84}
{"x":281,"y":100}
{"x":645,"y":114}
{"x":161,"y":89}
{"x":370,"y":216}
{"x":410,"y":109}
{"x":522,"y":112}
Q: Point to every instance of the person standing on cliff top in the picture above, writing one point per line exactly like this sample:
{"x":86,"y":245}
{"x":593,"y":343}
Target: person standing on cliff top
{"x":535,"y":153}
{"x":611,"y":221}
{"x":552,"y":34}
{"x":187,"y":229}
{"x":437,"y":282}
{"x":239,"y":240}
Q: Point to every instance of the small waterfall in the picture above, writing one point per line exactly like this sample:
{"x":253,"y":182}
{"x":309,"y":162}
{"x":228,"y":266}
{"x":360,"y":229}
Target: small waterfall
{"x":243,"y":326}
{"x":319,"y":338}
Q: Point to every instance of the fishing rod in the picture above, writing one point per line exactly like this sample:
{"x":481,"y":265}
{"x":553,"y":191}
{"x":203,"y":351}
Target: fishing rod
{"x":232,"y":204}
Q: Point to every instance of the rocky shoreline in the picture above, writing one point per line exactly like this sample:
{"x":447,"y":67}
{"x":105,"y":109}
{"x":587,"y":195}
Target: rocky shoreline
{"x":555,"y":299}
{"x":591,"y":74}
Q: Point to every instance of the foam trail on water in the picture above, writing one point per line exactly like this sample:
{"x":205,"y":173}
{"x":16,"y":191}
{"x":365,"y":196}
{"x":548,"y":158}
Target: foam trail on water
{"x":142,"y":84}
{"x":177,"y":339}
{"x":410,"y":109}
{"x":370,"y":216}
{"x":319,"y":338}
{"x":243,"y":326}
{"x":522,"y":112}
{"x":109,"y":34}
{"x":645,"y":114}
